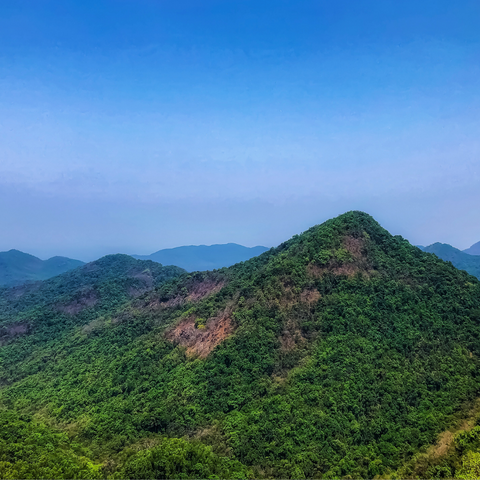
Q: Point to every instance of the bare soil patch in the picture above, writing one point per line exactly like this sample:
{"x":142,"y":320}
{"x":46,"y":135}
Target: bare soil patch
{"x":204,"y":288}
{"x":201,"y":341}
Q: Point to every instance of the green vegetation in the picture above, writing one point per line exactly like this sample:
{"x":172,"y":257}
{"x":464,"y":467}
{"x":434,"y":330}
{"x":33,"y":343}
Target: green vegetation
{"x":18,"y":267}
{"x":456,"y":456}
{"x":461,"y":260}
{"x":343,"y":352}
{"x":37,"y":315}
{"x":31,"y":450}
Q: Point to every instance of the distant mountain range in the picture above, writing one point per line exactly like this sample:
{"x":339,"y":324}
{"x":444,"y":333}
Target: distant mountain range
{"x":202,"y":257}
{"x":461,"y":260}
{"x":474,"y":249}
{"x":17,"y":267}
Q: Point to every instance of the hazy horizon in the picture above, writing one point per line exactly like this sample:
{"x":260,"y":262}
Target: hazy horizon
{"x":106,"y":250}
{"x":136,"y":126}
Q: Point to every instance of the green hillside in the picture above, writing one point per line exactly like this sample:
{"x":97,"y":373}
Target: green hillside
{"x":36,"y":315}
{"x":459,"y":259}
{"x":17,"y":267}
{"x":342,"y":353}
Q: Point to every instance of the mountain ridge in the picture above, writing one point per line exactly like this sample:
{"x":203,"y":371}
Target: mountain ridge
{"x":474,"y":249}
{"x":460,"y":259}
{"x":204,"y":257}
{"x":343,"y":351}
{"x":17,"y":267}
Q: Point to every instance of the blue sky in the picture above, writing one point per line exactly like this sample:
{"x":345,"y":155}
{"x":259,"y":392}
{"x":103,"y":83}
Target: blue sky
{"x":138,"y":125}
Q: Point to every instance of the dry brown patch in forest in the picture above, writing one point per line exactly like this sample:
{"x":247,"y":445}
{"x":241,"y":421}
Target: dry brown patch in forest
{"x":144,"y":277}
{"x":213,"y":435}
{"x":171,"y":302}
{"x":443,"y":444}
{"x":137,"y":291}
{"x":13,"y":330}
{"x":348,"y":269}
{"x":290,"y":339}
{"x":202,"y":289}
{"x":355,"y":246}
{"x":17,"y":328}
{"x":446,"y":438}
{"x":316,"y":271}
{"x":146,"y":280}
{"x":196,"y":291}
{"x":86,"y":300}
{"x":19,"y":291}
{"x":201,"y":341}
{"x":443,"y":447}
{"x":310,"y":296}
{"x":358,"y":263}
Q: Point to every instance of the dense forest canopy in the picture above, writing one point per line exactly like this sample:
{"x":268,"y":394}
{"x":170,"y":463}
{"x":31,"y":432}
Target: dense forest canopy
{"x":344,"y":352}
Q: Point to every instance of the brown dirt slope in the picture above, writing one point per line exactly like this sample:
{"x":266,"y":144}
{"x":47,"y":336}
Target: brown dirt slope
{"x":201,"y":341}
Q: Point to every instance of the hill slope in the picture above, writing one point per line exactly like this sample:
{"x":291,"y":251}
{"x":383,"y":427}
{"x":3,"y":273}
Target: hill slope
{"x":202,"y":257}
{"x":341,"y":352}
{"x":461,"y":260}
{"x":474,"y":249}
{"x":39,"y":312}
{"x":17,"y":267}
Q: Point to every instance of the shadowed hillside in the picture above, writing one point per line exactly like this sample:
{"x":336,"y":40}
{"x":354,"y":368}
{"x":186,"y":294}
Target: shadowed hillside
{"x":17,"y":267}
{"x":461,"y":260}
{"x":342,"y":352}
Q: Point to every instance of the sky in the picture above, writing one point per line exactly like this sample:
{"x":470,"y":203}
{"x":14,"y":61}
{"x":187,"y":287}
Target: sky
{"x":135,"y":125}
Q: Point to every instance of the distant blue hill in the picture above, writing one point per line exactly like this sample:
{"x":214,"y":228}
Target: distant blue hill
{"x":459,"y":259}
{"x":202,"y":257}
{"x":17,"y":267}
{"x":474,"y":249}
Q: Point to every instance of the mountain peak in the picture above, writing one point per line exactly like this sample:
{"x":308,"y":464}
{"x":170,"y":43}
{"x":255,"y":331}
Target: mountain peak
{"x":474,"y":249}
{"x":18,"y":267}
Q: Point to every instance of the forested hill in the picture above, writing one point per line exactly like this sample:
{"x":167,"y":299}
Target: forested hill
{"x":341,"y":353}
{"x":202,"y":257}
{"x":17,"y":267}
{"x":461,"y":260}
{"x":39,"y":311}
